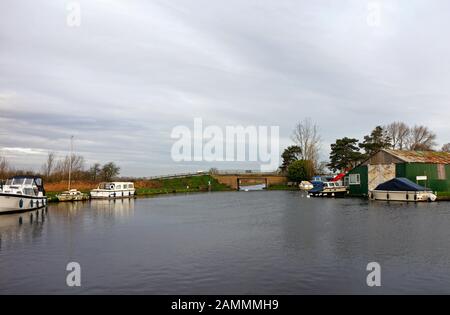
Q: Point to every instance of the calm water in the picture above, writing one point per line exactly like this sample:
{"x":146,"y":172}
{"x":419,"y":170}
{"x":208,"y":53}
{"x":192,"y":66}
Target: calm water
{"x":223,"y":243}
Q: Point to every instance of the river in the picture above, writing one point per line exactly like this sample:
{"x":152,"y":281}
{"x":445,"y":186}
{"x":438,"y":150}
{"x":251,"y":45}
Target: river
{"x":256,"y":242}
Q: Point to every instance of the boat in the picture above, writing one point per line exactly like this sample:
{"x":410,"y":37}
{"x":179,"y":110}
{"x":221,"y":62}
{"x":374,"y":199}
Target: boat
{"x":401,"y":189}
{"x":22,"y":193}
{"x":113,"y":190}
{"x":305,"y":185}
{"x":71,"y":194}
{"x":327,"y":189}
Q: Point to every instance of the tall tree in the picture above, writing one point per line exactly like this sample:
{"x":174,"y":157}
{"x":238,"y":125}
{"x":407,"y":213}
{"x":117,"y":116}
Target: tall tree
{"x":446,"y":147}
{"x":4,"y":168}
{"x":421,"y":139}
{"x":48,"y":166}
{"x":344,"y":154}
{"x":306,"y":136}
{"x":398,"y":132}
{"x":74,"y":162}
{"x":109,"y":171}
{"x":377,"y":140}
{"x":291,"y":154}
{"x":94,"y":171}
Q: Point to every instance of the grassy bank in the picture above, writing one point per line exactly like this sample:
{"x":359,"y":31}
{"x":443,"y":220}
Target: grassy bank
{"x":443,"y":196}
{"x":150,"y":187}
{"x":282,"y":187}
{"x":177,"y":185}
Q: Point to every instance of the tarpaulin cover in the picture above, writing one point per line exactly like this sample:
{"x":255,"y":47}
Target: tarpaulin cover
{"x":400,"y":184}
{"x":317,"y":186}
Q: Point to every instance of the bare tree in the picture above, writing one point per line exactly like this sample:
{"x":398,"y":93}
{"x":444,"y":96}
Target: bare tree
{"x":74,"y":162}
{"x":307,"y":138}
{"x":398,"y":132}
{"x":94,"y":171}
{"x":446,"y":147}
{"x":109,"y":171}
{"x":421,"y":139}
{"x":47,"y":167}
{"x":4,"y":167}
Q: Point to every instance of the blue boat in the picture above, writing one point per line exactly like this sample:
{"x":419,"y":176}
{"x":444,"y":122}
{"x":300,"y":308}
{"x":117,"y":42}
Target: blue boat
{"x":327,"y":189}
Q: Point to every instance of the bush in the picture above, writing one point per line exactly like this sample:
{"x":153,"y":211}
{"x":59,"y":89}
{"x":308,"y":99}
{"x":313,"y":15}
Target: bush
{"x":300,"y":170}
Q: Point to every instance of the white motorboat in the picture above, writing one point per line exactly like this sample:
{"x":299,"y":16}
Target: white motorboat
{"x":401,"y":189}
{"x":327,"y":189}
{"x":22,"y":193}
{"x":113,"y":190}
{"x":305,"y":185}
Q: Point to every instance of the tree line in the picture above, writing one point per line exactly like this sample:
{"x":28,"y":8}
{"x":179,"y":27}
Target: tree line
{"x":54,"y":169}
{"x":300,"y":161}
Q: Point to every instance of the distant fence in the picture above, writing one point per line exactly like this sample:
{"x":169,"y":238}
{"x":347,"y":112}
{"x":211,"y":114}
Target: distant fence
{"x":243,"y":172}
{"x":215,"y":172}
{"x":179,"y":175}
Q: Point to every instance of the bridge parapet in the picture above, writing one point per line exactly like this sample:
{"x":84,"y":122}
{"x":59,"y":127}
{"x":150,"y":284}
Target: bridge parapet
{"x":233,"y":179}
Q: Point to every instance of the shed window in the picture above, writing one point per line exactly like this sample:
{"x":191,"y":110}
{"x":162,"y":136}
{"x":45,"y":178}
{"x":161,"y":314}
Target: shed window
{"x":441,"y":171}
{"x":354,"y":179}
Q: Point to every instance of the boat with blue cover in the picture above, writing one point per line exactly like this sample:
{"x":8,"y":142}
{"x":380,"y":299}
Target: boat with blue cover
{"x":402,"y":189}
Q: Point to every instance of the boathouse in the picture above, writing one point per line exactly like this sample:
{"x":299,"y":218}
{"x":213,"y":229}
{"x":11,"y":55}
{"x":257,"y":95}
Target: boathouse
{"x":427,"y":168}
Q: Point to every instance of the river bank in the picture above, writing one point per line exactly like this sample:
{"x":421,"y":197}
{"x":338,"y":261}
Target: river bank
{"x":200,"y":183}
{"x":149,"y":187}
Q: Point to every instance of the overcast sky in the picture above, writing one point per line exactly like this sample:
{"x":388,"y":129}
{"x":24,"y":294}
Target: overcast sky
{"x":133,"y":70}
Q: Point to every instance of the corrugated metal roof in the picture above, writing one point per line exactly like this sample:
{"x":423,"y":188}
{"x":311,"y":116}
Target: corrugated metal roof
{"x":421,"y":156}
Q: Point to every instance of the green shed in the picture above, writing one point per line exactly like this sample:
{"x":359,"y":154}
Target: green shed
{"x":427,"y":168}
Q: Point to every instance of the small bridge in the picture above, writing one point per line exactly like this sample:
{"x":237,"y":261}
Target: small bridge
{"x":234,"y":179}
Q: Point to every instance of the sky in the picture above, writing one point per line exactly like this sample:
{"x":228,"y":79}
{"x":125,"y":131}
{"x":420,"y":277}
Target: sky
{"x":131,"y":71}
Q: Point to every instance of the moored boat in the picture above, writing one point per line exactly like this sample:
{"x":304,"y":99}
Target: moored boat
{"x":72,"y":195}
{"x":22,"y":193}
{"x":327,"y":189}
{"x":305,"y":185}
{"x":113,"y":190}
{"x":401,"y":189}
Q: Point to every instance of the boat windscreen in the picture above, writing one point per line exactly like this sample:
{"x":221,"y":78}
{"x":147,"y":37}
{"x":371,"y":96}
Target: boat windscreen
{"x":18,"y":181}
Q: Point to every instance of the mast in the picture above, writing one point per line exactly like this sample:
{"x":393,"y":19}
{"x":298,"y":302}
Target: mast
{"x":70,"y":160}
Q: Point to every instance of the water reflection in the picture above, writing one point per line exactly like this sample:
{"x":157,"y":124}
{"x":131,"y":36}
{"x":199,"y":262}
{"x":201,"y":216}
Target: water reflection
{"x":252,"y":187}
{"x":21,"y":227}
{"x":225,"y":243}
{"x":115,"y":207}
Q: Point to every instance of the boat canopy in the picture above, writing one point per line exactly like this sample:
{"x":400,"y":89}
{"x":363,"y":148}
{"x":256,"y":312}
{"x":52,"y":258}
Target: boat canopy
{"x":400,"y":184}
{"x":26,"y":179}
{"x":317,"y":186}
